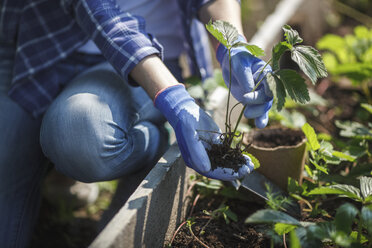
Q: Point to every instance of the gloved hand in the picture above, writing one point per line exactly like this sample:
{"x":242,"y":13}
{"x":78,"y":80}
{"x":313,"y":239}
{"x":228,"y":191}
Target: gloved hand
{"x":190,"y":124}
{"x":245,"y":69}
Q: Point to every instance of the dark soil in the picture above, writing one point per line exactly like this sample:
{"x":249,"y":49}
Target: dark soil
{"x":218,"y":234}
{"x":275,"y":137}
{"x":221,"y":155}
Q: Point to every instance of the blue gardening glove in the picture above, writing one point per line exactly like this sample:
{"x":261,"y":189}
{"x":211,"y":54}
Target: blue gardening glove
{"x":190,"y":124}
{"x":245,"y":70}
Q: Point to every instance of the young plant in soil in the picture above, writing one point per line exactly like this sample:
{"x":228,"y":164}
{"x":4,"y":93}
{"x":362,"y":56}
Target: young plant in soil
{"x":282,"y":82}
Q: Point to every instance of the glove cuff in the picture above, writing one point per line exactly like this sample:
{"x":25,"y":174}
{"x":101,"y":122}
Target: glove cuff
{"x":222,"y":50}
{"x":169,"y":100}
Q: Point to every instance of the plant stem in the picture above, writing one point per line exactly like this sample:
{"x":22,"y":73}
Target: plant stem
{"x":227,"y":124}
{"x":359,"y":236}
{"x":284,"y":242}
{"x":259,"y":75}
{"x":197,"y":239}
{"x":194,"y":204}
{"x":256,"y":86}
{"x":206,"y":224}
{"x":175,"y":233}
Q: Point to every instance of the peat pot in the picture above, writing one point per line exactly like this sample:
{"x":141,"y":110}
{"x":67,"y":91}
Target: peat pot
{"x":281,"y":152}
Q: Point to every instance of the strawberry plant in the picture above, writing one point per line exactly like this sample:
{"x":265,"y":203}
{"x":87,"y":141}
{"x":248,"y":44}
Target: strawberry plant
{"x":282,"y":82}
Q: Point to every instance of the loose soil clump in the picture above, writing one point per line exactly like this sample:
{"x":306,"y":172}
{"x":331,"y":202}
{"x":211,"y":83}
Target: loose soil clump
{"x":221,"y":155}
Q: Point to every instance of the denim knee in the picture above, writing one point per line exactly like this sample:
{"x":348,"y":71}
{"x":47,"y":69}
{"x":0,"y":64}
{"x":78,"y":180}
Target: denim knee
{"x":85,"y":142}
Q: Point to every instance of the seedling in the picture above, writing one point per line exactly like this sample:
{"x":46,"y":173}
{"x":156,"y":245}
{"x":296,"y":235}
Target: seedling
{"x":282,"y":82}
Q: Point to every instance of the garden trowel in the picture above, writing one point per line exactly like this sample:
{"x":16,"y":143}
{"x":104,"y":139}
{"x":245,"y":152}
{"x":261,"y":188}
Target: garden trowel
{"x":257,"y":184}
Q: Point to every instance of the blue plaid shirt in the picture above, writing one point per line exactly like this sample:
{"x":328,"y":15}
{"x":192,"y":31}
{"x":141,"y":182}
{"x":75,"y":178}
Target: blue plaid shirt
{"x":48,"y":31}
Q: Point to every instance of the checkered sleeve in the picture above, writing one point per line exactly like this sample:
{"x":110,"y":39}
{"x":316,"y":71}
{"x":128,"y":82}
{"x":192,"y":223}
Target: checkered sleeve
{"x":120,"y":36}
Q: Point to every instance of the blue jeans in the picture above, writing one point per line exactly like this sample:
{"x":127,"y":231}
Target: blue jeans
{"x":98,"y":128}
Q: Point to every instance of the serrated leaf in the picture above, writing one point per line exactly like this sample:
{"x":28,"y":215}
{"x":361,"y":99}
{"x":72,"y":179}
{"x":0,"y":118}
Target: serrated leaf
{"x":345,"y":216}
{"x":291,"y":35}
{"x":311,"y":136}
{"x":310,"y":62}
{"x":366,"y":215}
{"x":255,"y":161}
{"x":354,"y":130}
{"x":338,"y":189}
{"x":223,"y":31}
{"x":253,"y":49}
{"x":366,"y":186}
{"x":277,"y":51}
{"x":268,"y":216}
{"x":277,"y":88}
{"x":294,"y":85}
{"x":281,"y":228}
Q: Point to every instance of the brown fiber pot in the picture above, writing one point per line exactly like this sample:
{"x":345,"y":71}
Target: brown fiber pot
{"x":281,"y":161}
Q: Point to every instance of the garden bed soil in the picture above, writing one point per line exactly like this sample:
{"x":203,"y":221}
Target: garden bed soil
{"x":218,"y":234}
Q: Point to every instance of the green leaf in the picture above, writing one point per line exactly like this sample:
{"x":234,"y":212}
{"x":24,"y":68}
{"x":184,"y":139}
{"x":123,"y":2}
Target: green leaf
{"x":293,"y":186}
{"x":366,"y":216}
{"x":231,"y":215}
{"x":253,"y":49}
{"x":294,"y":241}
{"x":309,"y":61}
{"x":277,"y":88}
{"x":291,"y":35}
{"x":345,"y":216}
{"x":268,"y":216}
{"x":343,"y":156}
{"x":311,"y":136}
{"x":277,"y":52}
{"x":281,"y":228}
{"x":354,"y":236}
{"x":338,"y":189}
{"x":367,"y":107}
{"x":294,"y":85}
{"x":335,"y":44}
{"x":211,"y":184}
{"x":356,"y":71}
{"x":366,"y":186}
{"x":224,"y":32}
{"x":308,"y":170}
{"x":255,"y":161}
{"x":368,"y":199}
{"x":319,"y":167}
{"x":352,"y":129}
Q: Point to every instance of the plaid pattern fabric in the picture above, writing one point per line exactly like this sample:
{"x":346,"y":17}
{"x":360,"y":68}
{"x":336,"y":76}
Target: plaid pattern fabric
{"x":48,"y":31}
